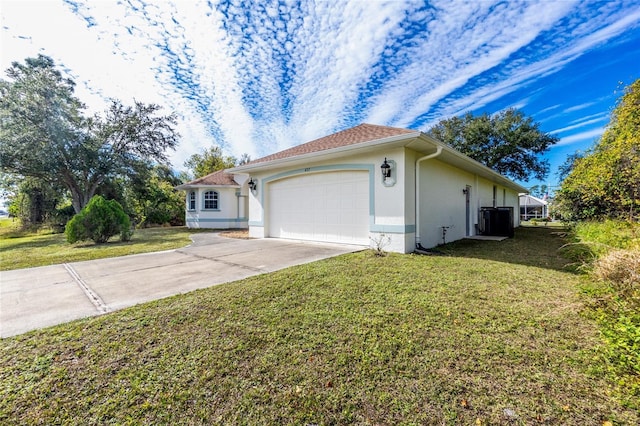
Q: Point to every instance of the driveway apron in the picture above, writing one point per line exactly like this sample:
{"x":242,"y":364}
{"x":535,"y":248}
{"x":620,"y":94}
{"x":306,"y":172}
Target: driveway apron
{"x":40,"y":297}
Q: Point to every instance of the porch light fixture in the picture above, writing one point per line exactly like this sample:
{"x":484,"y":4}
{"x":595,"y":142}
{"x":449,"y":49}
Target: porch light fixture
{"x":253,"y":185}
{"x":386,"y":169}
{"x":465,"y":191}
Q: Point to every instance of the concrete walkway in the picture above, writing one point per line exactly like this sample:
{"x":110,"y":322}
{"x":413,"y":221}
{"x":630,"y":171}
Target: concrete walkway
{"x":39,"y":297}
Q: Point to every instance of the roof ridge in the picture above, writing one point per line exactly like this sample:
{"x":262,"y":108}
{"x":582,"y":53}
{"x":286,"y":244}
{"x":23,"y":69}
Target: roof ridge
{"x":219,"y":177}
{"x":387,"y":127}
{"x":363,"y":132}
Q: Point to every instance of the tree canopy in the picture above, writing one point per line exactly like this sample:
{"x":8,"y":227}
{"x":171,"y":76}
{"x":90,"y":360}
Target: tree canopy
{"x":45,"y":134}
{"x":153,"y":199}
{"x":539,"y":191}
{"x":605,"y":183}
{"x":210,"y":160}
{"x":507,"y":142}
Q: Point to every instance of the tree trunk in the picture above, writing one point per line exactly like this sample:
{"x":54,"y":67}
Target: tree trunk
{"x":80,"y":194}
{"x":79,"y":198}
{"x":36,"y":214}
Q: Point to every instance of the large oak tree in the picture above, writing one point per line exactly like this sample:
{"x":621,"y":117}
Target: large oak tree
{"x":45,"y":134}
{"x":508,"y":142}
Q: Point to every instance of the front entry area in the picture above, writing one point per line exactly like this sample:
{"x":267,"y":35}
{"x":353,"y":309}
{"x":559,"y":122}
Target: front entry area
{"x":329,"y":207}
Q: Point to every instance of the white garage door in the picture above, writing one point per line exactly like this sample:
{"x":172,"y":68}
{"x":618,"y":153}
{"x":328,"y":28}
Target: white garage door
{"x":332,"y":207}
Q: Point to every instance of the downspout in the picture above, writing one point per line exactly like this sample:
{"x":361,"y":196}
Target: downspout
{"x":418,"y":161}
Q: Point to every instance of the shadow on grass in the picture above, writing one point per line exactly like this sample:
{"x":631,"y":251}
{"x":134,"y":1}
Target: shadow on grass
{"x":33,"y":241}
{"x":531,"y":246}
{"x":140,"y":236}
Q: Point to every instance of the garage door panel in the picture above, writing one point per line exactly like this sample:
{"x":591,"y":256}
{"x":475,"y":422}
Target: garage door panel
{"x":331,"y":207}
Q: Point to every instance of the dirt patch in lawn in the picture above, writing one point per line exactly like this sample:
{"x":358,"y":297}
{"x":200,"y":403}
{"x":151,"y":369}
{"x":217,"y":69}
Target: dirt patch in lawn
{"x":241,"y":234}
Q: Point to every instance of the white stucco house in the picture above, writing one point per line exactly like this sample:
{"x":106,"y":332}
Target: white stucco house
{"x":533,"y":207}
{"x":355,"y":185}
{"x":217,"y":200}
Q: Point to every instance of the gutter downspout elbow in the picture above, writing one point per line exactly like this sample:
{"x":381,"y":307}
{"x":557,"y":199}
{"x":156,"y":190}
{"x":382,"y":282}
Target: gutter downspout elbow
{"x":418,"y":161}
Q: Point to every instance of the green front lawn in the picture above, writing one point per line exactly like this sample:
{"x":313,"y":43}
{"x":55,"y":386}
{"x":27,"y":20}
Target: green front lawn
{"x":20,"y":249}
{"x":489,"y":333}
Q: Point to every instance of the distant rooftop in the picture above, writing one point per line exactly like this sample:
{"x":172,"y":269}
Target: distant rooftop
{"x":219,"y":178}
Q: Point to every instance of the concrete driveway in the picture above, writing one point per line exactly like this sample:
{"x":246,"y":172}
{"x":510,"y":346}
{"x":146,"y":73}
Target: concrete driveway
{"x":39,"y":297}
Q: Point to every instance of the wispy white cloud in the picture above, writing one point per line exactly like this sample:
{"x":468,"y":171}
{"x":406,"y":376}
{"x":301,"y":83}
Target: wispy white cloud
{"x":530,"y":71}
{"x":599,"y":115}
{"x":467,"y":40}
{"x":581,"y":123}
{"x":578,"y":107}
{"x":568,"y":42}
{"x":256,"y":78}
{"x":571,"y":110}
{"x":550,"y":108}
{"x":587,"y":136}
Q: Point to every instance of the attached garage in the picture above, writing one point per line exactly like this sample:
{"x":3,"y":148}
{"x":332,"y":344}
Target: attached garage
{"x":330,"y":207}
{"x":371,"y":185}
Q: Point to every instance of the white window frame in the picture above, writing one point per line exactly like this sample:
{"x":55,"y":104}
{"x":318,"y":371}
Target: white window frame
{"x":214,"y":200}
{"x":191,"y":201}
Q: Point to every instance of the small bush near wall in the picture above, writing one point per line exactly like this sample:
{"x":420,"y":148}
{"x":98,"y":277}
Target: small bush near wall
{"x":98,"y":221}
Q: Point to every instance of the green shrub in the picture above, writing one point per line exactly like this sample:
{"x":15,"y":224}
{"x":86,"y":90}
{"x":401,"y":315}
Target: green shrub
{"x":611,"y":252}
{"x":99,"y":220}
{"x":608,"y":234}
{"x":622,"y":351}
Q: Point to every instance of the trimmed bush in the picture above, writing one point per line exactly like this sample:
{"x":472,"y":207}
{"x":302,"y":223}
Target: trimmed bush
{"x":99,"y":220}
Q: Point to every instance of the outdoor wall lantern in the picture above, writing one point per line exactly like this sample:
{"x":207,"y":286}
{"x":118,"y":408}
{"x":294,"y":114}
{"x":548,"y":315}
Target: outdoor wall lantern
{"x":386,"y":169}
{"x":253,"y":185}
{"x":465,"y":191}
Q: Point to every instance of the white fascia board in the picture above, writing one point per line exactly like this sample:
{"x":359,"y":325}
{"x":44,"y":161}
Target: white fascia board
{"x":186,"y":186}
{"x":328,"y":153}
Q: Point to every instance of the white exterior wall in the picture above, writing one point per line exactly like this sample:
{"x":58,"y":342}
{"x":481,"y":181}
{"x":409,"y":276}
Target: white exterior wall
{"x":390,"y":210}
{"x":386,"y":201}
{"x":443,"y":202}
{"x":485,"y":198}
{"x":230,"y":214}
{"x":513,"y":200}
{"x":392,"y":207}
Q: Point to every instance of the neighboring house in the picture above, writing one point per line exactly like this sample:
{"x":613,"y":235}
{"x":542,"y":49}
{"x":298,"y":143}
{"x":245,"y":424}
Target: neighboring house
{"x":533,"y":208}
{"x":216,"y":201}
{"x":370,"y":183}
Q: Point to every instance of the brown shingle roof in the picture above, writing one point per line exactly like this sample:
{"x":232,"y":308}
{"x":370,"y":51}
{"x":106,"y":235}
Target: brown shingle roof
{"x":220,"y":178}
{"x":358,"y":134}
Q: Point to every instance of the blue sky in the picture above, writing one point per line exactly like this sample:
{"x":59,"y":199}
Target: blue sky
{"x":258,"y":77}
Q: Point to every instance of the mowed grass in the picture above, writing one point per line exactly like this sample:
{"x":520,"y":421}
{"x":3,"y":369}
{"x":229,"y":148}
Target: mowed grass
{"x":542,"y":223}
{"x":20,"y":249}
{"x":489,"y":333}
